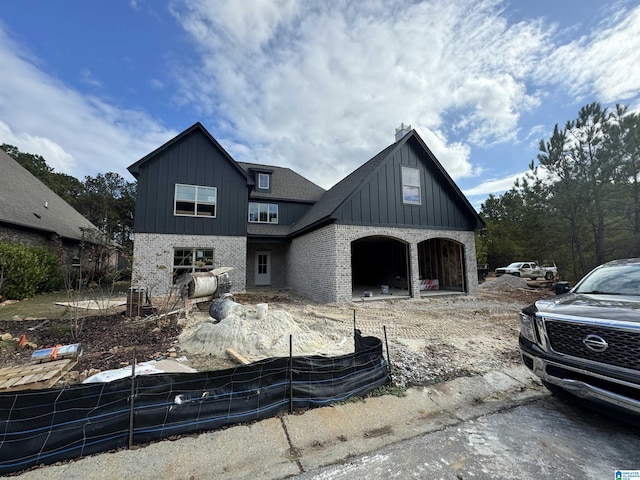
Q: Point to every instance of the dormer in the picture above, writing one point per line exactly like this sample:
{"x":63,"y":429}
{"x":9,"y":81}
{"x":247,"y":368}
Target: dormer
{"x":262,"y":177}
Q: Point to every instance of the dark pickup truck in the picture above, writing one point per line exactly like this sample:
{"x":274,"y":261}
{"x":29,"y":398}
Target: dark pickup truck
{"x":586,"y":342}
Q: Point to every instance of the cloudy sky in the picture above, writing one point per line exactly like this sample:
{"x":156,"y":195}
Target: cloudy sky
{"x":317,"y":86}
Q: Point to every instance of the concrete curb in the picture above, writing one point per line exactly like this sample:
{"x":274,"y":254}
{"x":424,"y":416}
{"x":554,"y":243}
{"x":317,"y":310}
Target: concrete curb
{"x":282,"y":447}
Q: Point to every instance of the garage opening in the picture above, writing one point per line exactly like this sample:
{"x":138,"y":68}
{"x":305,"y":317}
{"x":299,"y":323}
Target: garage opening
{"x":379,"y":267}
{"x":441,"y":263}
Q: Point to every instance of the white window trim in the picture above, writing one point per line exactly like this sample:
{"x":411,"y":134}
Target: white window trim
{"x":262,"y":176}
{"x":418,"y":186}
{"x":195,"y":214}
{"x":268,"y":209}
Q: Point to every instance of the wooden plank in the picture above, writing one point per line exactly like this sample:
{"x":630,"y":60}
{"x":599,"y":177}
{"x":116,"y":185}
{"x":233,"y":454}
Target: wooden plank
{"x":237,"y":357}
{"x":34,"y":376}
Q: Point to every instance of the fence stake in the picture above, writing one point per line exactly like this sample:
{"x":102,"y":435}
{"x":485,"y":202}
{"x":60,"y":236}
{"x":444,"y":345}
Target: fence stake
{"x":131,"y":405}
{"x":290,"y":373}
{"x":384,"y":328}
{"x":355,"y":340}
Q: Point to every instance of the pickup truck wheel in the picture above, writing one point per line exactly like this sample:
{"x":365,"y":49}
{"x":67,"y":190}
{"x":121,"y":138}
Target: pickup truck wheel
{"x":516,"y":274}
{"x":548,"y":276}
{"x":534,"y":278}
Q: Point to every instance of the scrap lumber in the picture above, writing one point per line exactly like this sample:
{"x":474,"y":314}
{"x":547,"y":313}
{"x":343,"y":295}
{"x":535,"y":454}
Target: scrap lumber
{"x":34,"y":377}
{"x":237,"y":357}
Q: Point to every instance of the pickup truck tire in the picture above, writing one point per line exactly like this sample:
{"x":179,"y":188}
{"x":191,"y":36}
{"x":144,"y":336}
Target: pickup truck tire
{"x":534,"y":278}
{"x":548,"y":276}
{"x":516,"y":274}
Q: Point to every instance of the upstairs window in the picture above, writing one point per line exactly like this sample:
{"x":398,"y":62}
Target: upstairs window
{"x":195,"y":201}
{"x":411,"y":186}
{"x":263,"y":212}
{"x":263,"y":181}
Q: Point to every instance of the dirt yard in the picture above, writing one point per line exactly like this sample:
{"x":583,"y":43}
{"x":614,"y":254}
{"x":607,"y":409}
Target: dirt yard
{"x":430,"y":340}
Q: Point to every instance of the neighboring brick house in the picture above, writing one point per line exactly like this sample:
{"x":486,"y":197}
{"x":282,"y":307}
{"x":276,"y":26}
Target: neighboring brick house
{"x":32,"y":214}
{"x":399,"y":220}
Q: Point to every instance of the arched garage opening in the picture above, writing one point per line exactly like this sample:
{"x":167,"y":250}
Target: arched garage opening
{"x":441,"y":263}
{"x":378,"y":261}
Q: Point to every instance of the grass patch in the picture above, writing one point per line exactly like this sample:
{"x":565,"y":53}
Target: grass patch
{"x":396,"y":390}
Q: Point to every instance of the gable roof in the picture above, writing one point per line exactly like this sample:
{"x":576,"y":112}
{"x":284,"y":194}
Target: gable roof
{"x":322,"y":211}
{"x":29,"y":203}
{"x":285,"y":184}
{"x":134,"y":169}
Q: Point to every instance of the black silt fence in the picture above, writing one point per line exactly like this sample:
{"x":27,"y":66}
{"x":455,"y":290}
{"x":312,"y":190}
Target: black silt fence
{"x":47,"y":426}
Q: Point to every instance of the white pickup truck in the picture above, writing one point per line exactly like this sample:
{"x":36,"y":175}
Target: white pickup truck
{"x":531,"y":270}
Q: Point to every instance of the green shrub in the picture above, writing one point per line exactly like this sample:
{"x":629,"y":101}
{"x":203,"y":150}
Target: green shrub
{"x":53,"y":274}
{"x":27,"y":270}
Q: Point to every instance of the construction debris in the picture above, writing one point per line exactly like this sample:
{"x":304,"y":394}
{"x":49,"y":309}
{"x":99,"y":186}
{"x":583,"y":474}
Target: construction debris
{"x":152,"y":367}
{"x":236,"y":357}
{"x":57,"y":353}
{"x":34,"y":377}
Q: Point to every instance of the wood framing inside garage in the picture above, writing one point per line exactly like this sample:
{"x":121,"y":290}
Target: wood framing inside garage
{"x":379,"y":260}
{"x":442,"y":259}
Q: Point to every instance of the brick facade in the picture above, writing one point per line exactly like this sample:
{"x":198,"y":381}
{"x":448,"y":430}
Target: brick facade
{"x":153,"y":259}
{"x":312,"y":267}
{"x":34,"y":239}
{"x":319,"y":264}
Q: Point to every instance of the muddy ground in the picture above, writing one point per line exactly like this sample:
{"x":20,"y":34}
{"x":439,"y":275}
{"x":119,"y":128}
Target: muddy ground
{"x":431,"y":339}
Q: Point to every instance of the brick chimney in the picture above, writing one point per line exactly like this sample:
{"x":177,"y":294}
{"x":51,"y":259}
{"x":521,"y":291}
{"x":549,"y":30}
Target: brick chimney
{"x":402,"y":130}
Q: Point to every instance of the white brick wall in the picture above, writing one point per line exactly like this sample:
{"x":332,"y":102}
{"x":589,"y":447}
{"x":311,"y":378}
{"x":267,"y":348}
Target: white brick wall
{"x":319,"y":264}
{"x":312,"y":267}
{"x":153,"y":258}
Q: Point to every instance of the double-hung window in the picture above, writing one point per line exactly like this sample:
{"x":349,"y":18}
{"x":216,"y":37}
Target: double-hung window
{"x":411,"y":186}
{"x":196,"y":201}
{"x":263,"y":212}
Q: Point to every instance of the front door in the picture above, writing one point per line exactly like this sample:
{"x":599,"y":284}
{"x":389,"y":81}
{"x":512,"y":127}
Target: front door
{"x":263,"y":268}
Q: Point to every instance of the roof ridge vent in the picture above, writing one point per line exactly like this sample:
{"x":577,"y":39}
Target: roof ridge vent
{"x":402,"y":130}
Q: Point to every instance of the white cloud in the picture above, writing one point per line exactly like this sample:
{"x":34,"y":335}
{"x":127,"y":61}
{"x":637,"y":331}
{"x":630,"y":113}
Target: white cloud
{"x":78,"y":135}
{"x":156,"y":84}
{"x":455,"y":156}
{"x":605,"y":63}
{"x":494,"y":185}
{"x":89,"y":79}
{"x":53,"y":153}
{"x":322,"y":87}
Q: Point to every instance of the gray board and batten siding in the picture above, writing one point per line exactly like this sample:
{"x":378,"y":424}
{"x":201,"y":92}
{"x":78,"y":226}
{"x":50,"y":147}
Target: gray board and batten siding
{"x":378,"y":201}
{"x":372,"y":194}
{"x":193,"y":158}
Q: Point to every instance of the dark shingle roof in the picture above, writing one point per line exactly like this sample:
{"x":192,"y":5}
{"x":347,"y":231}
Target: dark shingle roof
{"x":341,"y":190}
{"x":27,"y":202}
{"x":285,"y":184}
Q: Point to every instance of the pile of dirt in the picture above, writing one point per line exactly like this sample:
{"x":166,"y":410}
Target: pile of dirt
{"x":255,"y":338}
{"x":504,"y":283}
